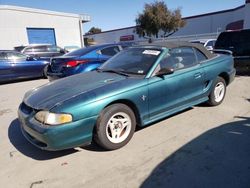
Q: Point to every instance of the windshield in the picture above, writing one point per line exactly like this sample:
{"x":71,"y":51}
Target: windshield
{"x":133,"y":61}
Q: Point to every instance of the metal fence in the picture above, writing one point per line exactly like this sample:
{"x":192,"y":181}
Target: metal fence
{"x":192,"y":37}
{"x":185,"y":37}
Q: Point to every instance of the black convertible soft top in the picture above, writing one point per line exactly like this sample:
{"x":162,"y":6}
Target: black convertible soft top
{"x":178,"y":44}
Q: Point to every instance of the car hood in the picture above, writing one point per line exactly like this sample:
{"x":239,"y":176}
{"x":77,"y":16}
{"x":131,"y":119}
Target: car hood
{"x":55,"y":93}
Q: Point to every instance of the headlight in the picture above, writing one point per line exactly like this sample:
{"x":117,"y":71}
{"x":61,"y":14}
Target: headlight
{"x":52,"y":118}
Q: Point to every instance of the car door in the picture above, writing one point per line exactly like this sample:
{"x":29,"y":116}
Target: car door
{"x":6,"y":71}
{"x":173,"y":92}
{"x":24,"y":67}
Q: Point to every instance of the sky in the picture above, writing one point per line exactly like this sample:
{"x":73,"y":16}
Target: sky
{"x":115,"y":14}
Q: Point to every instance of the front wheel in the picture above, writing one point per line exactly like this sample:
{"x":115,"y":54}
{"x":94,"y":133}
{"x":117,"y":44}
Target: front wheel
{"x":45,"y":70}
{"x":218,"y":92}
{"x":115,"y":126}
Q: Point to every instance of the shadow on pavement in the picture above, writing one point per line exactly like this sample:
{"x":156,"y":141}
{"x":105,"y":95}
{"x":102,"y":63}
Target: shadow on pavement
{"x":19,"y":80}
{"x":26,"y":148}
{"x":242,"y":73}
{"x":94,"y":147}
{"x":218,"y":158}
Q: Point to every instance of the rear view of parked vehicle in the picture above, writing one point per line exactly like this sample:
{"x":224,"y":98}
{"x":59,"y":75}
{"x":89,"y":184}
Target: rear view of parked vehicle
{"x":82,"y":60}
{"x":239,"y":43}
{"x":14,"y":66}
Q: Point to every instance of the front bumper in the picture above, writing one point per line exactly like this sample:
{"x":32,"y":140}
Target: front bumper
{"x":59,"y":137}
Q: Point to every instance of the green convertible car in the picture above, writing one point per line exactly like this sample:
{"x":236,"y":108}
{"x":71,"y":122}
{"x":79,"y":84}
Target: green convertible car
{"x":137,"y":87}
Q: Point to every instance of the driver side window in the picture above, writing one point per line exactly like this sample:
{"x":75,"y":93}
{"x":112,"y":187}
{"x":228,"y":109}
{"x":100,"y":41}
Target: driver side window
{"x":167,"y":62}
{"x":177,"y":58}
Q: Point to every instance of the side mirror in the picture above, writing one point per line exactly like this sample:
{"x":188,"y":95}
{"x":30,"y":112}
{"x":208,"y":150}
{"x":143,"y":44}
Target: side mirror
{"x":99,"y":52}
{"x":164,"y":71}
{"x":62,"y":51}
{"x":30,"y":58}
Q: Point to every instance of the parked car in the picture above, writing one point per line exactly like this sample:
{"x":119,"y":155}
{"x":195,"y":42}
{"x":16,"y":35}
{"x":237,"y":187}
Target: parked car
{"x":14,"y":66}
{"x":19,"y":48}
{"x":138,"y":86}
{"x":208,"y":43}
{"x":44,"y":51}
{"x":70,"y":48}
{"x":82,"y":60}
{"x":239,"y":43}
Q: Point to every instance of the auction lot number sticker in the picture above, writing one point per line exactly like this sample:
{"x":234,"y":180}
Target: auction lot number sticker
{"x":151,"y":52}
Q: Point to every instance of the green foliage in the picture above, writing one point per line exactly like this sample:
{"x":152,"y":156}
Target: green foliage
{"x":94,"y":30}
{"x":155,"y":17}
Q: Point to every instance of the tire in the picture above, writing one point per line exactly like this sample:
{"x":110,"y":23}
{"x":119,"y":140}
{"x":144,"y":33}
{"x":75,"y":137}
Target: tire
{"x":115,"y":126}
{"x":218,"y":92}
{"x":45,"y":76}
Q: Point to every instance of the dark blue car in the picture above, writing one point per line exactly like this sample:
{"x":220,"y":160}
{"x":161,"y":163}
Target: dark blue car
{"x":15,"y":65}
{"x":82,"y":60}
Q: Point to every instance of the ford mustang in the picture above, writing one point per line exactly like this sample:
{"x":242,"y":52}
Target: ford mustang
{"x":136,"y":87}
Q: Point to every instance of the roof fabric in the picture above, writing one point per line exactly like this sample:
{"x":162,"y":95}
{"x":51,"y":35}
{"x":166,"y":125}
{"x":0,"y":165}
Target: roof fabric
{"x":178,"y":44}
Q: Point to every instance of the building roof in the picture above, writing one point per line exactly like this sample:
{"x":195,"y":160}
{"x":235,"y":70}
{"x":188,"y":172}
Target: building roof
{"x":84,"y":17}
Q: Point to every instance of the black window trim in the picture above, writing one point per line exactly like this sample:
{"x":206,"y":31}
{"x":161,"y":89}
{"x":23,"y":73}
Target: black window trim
{"x":100,"y":50}
{"x":178,"y":69}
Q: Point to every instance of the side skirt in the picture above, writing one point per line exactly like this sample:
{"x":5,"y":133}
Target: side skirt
{"x":174,"y":111}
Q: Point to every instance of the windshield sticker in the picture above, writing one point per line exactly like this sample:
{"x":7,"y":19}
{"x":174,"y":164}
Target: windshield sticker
{"x":140,"y":72}
{"x":151,"y":52}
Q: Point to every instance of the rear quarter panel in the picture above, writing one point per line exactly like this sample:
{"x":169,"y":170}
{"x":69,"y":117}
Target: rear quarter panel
{"x":216,"y":66}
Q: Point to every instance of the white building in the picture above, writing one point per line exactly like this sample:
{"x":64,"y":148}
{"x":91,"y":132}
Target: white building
{"x":22,"y":26}
{"x":201,"y":26}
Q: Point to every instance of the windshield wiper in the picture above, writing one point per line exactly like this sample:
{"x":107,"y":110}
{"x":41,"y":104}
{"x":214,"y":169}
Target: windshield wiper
{"x":113,"y":71}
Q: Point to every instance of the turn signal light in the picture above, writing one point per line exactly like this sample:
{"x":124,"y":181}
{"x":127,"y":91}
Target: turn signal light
{"x":75,"y":63}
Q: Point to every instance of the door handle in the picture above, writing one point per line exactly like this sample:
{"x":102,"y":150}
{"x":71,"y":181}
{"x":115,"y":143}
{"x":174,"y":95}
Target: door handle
{"x":197,"y":75}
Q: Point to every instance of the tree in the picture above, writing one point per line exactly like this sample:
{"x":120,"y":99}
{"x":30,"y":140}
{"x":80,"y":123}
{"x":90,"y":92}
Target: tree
{"x":94,"y":30}
{"x":155,"y":17}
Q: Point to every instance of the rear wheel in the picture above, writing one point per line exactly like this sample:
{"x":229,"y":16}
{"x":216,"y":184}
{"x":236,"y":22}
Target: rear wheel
{"x":218,"y":92}
{"x":115,"y":126}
